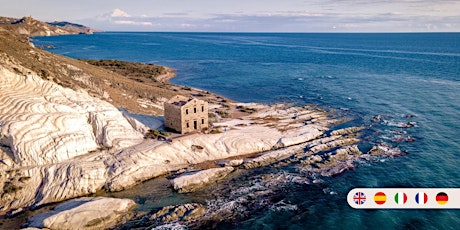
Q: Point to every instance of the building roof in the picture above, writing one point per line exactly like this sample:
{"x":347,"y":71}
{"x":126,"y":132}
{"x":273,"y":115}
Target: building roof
{"x":180,"y":100}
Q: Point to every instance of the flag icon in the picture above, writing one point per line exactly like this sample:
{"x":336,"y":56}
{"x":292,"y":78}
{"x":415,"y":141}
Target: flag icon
{"x":380,"y":198}
{"x":421,"y":198}
{"x":359,"y":198}
{"x":442,"y":198}
{"x":400,"y":198}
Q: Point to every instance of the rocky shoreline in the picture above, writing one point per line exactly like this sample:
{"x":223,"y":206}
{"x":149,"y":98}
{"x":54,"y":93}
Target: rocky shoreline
{"x":58,"y":143}
{"x":273,"y":134}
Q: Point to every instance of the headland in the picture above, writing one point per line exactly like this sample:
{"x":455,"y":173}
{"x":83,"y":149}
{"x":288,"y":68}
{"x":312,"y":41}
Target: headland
{"x":67,"y":130}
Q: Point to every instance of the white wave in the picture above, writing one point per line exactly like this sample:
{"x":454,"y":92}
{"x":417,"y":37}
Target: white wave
{"x":283,"y":207}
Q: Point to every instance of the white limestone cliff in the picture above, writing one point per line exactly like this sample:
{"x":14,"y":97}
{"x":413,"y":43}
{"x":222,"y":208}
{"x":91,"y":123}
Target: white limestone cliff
{"x":57,"y":144}
{"x":42,"y":122}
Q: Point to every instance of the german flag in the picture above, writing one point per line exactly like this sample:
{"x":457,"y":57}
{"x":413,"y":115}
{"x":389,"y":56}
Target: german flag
{"x":442,"y":198}
{"x":380,"y":198}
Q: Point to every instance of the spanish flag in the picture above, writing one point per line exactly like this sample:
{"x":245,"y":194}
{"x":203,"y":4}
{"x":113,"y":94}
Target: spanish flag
{"x":442,"y":198}
{"x":380,"y":198}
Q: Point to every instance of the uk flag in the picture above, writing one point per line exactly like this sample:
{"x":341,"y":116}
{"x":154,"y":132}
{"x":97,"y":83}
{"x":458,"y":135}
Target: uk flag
{"x":359,"y":198}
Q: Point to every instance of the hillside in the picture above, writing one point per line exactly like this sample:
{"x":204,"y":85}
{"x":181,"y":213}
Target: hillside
{"x":28,"y":26}
{"x":74,"y":28}
{"x":139,"y":88}
{"x":75,"y":74}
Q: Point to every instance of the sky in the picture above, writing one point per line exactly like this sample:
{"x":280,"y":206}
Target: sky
{"x":246,"y":15}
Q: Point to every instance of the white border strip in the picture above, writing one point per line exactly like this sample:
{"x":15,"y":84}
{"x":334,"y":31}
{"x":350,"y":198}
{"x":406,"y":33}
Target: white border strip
{"x":390,"y":203}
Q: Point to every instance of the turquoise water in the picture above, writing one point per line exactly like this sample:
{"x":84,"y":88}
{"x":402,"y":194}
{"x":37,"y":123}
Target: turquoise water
{"x":359,"y":75}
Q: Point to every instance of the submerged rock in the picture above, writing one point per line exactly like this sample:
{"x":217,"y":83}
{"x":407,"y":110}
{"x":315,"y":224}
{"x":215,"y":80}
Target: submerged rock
{"x":84,"y":213}
{"x":333,"y":163}
{"x":377,"y":118}
{"x":384,"y":149}
{"x":185,"y":212}
{"x":196,"y":180}
{"x":400,"y":138}
{"x":407,"y":125}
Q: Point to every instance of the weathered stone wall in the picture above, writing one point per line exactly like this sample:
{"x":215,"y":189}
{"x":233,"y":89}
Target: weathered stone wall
{"x":194,"y":116}
{"x":172,"y":117}
{"x":190,"y":117}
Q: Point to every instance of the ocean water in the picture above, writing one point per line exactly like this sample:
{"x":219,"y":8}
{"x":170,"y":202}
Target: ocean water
{"x":401,"y":77}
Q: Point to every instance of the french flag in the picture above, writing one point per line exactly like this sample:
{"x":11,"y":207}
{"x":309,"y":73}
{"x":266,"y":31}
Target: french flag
{"x":421,"y":198}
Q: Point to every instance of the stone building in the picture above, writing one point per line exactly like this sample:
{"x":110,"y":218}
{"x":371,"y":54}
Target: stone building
{"x":186,"y":114}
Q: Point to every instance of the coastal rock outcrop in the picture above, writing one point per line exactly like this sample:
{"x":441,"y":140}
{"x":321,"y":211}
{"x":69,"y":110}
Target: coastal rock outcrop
{"x":185,"y":212}
{"x":344,"y":131}
{"x":233,"y":163}
{"x":301,"y":135}
{"x":84,"y":213}
{"x":193,"y":181}
{"x":57,"y":143}
{"x":260,"y":133}
{"x":385,"y":149}
{"x":272,"y":156}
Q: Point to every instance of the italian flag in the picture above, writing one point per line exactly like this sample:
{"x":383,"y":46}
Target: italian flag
{"x":400,"y":198}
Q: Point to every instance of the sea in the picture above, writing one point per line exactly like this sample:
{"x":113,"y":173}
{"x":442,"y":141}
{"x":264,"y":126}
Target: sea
{"x":399,"y":78}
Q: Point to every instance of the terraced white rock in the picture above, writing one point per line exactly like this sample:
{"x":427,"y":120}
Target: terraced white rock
{"x":42,"y":122}
{"x":272,"y":156}
{"x":301,"y":135}
{"x":233,"y":163}
{"x":193,"y":181}
{"x":50,"y":141}
{"x":83,"y":213}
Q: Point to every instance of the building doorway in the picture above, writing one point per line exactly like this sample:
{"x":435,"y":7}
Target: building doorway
{"x":195,"y":124}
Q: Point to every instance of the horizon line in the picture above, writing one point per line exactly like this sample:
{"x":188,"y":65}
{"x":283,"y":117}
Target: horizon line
{"x":281,"y":32}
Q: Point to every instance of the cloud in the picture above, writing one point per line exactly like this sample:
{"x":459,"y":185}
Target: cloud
{"x":302,"y":20}
{"x":117,"y":13}
{"x":187,"y":25}
{"x":176,"y":14}
{"x":126,"y":22}
{"x":298,"y":21}
{"x":120,"y":19}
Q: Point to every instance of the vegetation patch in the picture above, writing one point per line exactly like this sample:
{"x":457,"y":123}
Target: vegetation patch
{"x":133,"y":70}
{"x":156,"y":134}
{"x":223,"y":114}
{"x":10,"y":187}
{"x":246,"y":109}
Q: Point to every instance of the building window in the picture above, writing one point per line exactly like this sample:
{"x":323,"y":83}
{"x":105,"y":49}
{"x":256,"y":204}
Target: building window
{"x":202,"y":108}
{"x":186,"y":111}
{"x":202,"y":121}
{"x":194,"y":110}
{"x":195,"y":125}
{"x":188,"y":125}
